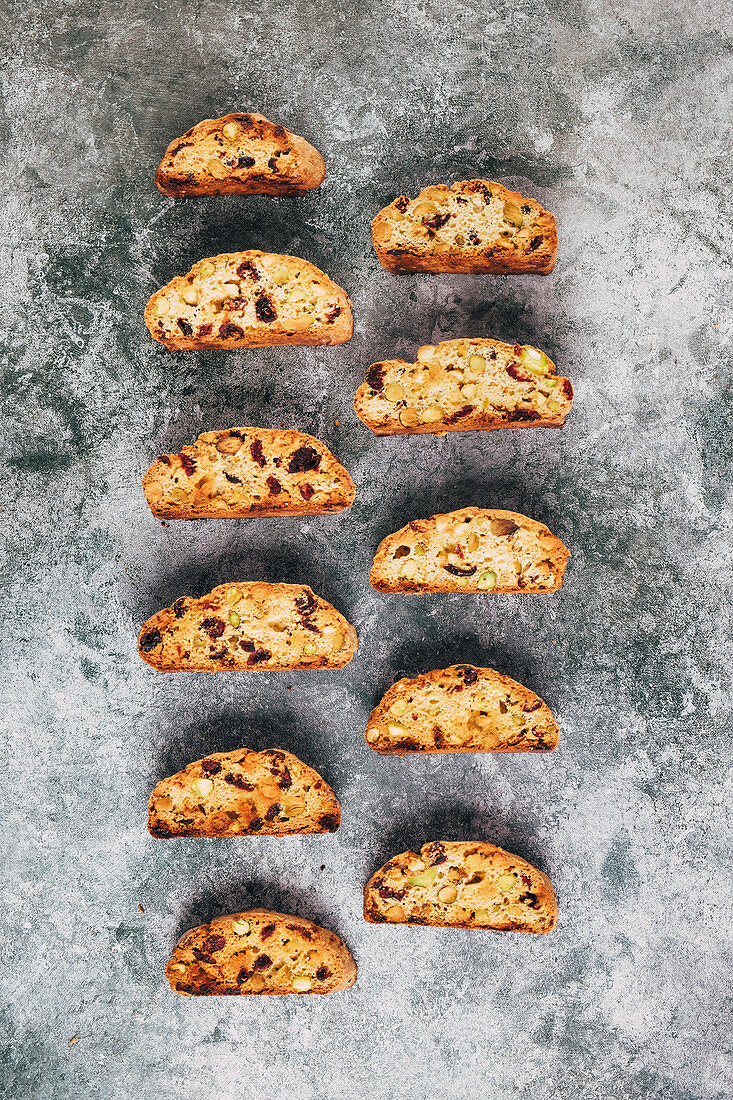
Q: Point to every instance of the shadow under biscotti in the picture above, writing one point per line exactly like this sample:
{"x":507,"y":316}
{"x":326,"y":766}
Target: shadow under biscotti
{"x":231,"y":728}
{"x":200,"y":567}
{"x":457,"y":820}
{"x":238,"y":894}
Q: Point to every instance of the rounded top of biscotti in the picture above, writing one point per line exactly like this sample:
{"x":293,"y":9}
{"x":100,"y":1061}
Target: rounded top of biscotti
{"x":471,"y":550}
{"x":474,"y":226}
{"x":248,"y":625}
{"x":462,"y":884}
{"x":461,"y":708}
{"x":260,"y":951}
{"x":240,"y":153}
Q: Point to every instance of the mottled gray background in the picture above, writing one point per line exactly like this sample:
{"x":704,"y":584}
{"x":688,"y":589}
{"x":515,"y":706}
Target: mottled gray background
{"x":614,"y":116}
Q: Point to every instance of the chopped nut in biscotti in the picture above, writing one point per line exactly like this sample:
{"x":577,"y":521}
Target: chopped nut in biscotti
{"x":249,"y":299}
{"x":259,"y":951}
{"x":239,"y":154}
{"x":235,"y":479}
{"x":476,"y":226}
{"x":462,"y":552}
{"x":465,"y":884}
{"x":461,"y":709}
{"x":248,"y":640}
{"x":464,"y":385}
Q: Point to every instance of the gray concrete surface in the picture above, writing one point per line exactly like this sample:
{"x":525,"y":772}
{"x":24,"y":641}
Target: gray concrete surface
{"x":614,"y":115}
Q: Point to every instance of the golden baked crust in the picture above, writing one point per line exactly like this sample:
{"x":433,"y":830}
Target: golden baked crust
{"x":475,"y":227}
{"x":464,"y":385}
{"x":242,"y":472}
{"x":246,"y":626}
{"x":262,"y":952}
{"x":471,"y":550}
{"x":242,"y":153}
{"x":249,"y":299}
{"x":243,"y":793}
{"x":461,"y":884}
{"x":461,"y":709}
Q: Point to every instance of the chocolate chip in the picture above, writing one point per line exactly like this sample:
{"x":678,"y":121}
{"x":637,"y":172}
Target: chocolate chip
{"x":245,"y":162}
{"x":150,"y":640}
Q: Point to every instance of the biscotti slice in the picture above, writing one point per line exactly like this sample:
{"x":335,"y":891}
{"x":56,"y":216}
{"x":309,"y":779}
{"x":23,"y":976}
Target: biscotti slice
{"x":249,"y":300}
{"x":471,"y":550}
{"x":259,"y":951}
{"x":243,"y":472}
{"x":461,"y":709}
{"x":461,"y":884}
{"x":464,"y":385}
{"x":239,"y":154}
{"x":243,"y":793}
{"x":475,"y":226}
{"x":248,"y":625}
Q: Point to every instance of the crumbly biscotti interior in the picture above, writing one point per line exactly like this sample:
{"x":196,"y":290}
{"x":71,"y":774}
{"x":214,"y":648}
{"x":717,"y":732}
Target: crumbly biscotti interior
{"x":461,"y":709}
{"x":475,"y":383}
{"x":471,"y":217}
{"x":471,"y":550}
{"x":236,"y":295}
{"x":238,"y":148}
{"x":466,"y":884}
{"x":259,"y":951}
{"x":248,"y":625}
{"x":248,"y":471}
{"x":268,"y":793}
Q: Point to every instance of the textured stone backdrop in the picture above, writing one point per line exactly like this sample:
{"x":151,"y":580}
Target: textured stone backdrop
{"x":613,"y":114}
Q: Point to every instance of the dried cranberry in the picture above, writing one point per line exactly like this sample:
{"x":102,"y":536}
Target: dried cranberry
{"x":229,"y":331}
{"x":267,"y":931}
{"x":211,"y":767}
{"x":257,"y":454}
{"x":214,"y":627}
{"x":274,"y":486}
{"x":272,"y":811}
{"x":265,"y":310}
{"x":306,"y":491}
{"x":255,"y":824}
{"x":202,"y":956}
{"x":214,"y":943}
{"x":205,"y":330}
{"x":514,"y":371}
{"x":262,"y":962}
{"x":285,"y":781}
{"x":185,"y":327}
{"x":189,"y":466}
{"x":523,"y":414}
{"x":246,"y":645}
{"x":230,"y":477}
{"x":375,"y":377}
{"x":238,"y":782}
{"x":458,"y":572}
{"x":437,"y":221}
{"x":305,"y":458}
{"x":526,"y":880}
{"x":470,"y":675}
{"x":150,"y":640}
{"x":248,"y":268}
{"x":567,"y":388}
{"x":306,"y":603}
{"x":333,"y":313}
{"x":258,"y":657}
{"x":329,"y":822}
{"x":402,"y":203}
{"x":322,"y":973}
{"x":245,"y":162}
{"x":165,"y":459}
{"x":272,"y":164}
{"x":473,"y":237}
{"x":535,"y":243}
{"x":388,"y":892}
{"x":530,"y":900}
{"x":242,"y":975}
{"x":179,"y":607}
{"x":459,"y":414}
